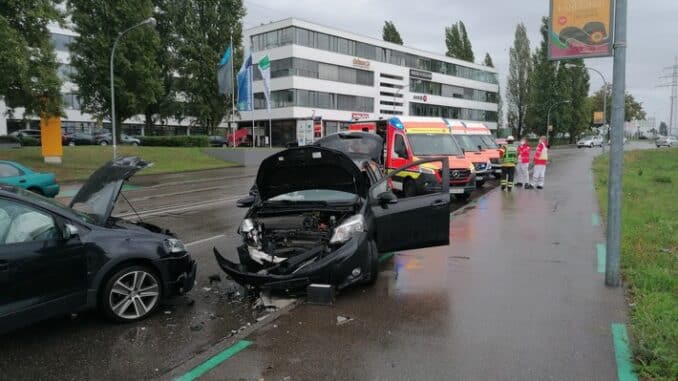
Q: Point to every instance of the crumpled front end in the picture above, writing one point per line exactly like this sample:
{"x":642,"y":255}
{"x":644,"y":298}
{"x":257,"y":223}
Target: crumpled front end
{"x":340,"y":266}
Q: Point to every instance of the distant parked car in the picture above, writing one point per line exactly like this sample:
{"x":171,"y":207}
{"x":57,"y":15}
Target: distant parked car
{"x":44,"y":183}
{"x":22,"y":134}
{"x":218,"y":141}
{"x":667,"y":141}
{"x":106,"y":138}
{"x":78,"y":139}
{"x":590,"y":141}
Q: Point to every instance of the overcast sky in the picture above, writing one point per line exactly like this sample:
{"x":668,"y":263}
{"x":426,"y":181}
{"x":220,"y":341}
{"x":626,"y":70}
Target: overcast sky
{"x":652,"y":32}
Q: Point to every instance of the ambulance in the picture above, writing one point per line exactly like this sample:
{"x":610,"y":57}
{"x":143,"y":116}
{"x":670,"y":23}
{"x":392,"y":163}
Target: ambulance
{"x":473,"y":150}
{"x":482,"y":136}
{"x":409,"y":139}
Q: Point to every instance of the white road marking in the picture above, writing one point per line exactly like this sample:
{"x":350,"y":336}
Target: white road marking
{"x":204,"y":240}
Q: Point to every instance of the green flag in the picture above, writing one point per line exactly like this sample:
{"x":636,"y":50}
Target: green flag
{"x":265,"y":70}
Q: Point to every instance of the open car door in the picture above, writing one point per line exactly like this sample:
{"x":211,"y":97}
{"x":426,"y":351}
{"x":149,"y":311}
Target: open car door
{"x":404,"y":223}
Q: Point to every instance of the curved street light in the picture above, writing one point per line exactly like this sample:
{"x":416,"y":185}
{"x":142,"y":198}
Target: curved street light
{"x":149,"y":21}
{"x":607,"y":85}
{"x":548,"y":116}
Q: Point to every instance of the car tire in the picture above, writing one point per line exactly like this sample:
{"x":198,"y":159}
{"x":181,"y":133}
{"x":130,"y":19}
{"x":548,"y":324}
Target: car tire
{"x":103,"y":143}
{"x":135,"y":144}
{"x":591,"y":145}
{"x":409,"y":188}
{"x":462,"y":197}
{"x":479,"y":184}
{"x":121,"y":299}
{"x":373,"y":264}
{"x":224,"y":145}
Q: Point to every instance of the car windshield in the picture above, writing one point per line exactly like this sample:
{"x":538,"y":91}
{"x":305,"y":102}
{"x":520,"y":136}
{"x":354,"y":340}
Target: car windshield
{"x":587,"y":138}
{"x":488,"y":142}
{"x":48,"y":202}
{"x":466,"y":143}
{"x":433,"y":144}
{"x":315,"y":195}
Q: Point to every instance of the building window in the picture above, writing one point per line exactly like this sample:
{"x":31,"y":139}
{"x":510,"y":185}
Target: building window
{"x":71,"y":101}
{"x":61,"y":42}
{"x":65,"y":72}
{"x":420,"y":109}
{"x":322,"y":41}
{"x":319,"y":99}
{"x":450,"y":91}
{"x":306,"y":68}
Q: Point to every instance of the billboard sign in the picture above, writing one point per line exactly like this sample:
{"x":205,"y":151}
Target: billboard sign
{"x":580,"y":29}
{"x":598,"y":117}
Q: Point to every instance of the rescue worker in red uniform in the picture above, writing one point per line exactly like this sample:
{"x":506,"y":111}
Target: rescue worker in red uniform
{"x":523,"y":167}
{"x":541,"y":157}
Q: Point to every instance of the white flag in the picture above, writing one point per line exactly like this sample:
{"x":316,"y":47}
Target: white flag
{"x":265,"y":70}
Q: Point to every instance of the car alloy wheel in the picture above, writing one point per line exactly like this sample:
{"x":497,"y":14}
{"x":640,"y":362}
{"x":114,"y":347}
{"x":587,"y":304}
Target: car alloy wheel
{"x":132,"y":294}
{"x":103,"y":143}
{"x":72,"y":144}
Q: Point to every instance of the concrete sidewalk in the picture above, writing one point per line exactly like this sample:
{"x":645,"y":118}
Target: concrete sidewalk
{"x":517,"y":296}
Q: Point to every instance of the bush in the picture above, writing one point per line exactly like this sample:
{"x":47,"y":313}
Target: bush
{"x":29,"y":142}
{"x":7,"y":141}
{"x":175,"y":141}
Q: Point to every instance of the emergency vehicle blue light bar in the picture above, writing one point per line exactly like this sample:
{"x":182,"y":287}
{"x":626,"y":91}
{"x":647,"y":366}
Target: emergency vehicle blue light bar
{"x":395,"y":122}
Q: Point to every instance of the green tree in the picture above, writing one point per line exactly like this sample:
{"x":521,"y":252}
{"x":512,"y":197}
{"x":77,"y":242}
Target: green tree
{"x":544,"y":87}
{"x":518,"y":87}
{"x":458,"y":43}
{"x":573,"y":85}
{"x":391,"y":34}
{"x":488,"y":60}
{"x":137,"y":74}
{"x":663,"y":129}
{"x":205,"y":28}
{"x":632,"y":108}
{"x":28,"y":68}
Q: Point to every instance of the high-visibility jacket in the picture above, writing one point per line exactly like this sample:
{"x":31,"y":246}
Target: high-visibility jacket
{"x":509,"y":155}
{"x":524,"y":151}
{"x":541,"y":155}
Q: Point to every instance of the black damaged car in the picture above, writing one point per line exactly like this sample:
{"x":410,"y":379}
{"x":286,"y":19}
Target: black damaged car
{"x":316,"y":217}
{"x":55,"y":260}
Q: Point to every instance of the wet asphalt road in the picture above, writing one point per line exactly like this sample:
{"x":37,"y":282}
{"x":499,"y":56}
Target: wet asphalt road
{"x":424,"y":301}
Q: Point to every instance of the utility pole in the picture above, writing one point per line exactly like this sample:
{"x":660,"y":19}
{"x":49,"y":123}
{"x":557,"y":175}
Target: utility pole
{"x":671,"y":80}
{"x":612,"y":277}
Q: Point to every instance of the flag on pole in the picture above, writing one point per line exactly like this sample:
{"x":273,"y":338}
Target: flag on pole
{"x":225,"y":73}
{"x":245,"y":84}
{"x":265,"y":69}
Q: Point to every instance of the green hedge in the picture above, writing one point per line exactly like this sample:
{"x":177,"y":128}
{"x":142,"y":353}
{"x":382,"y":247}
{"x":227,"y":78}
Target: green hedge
{"x":174,"y":141}
{"x":29,"y":142}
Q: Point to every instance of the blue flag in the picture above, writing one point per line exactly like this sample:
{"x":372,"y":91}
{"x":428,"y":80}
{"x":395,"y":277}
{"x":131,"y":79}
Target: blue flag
{"x":245,"y":84}
{"x":225,"y":73}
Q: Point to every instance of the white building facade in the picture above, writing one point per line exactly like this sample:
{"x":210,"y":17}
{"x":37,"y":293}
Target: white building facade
{"x":319,"y":72}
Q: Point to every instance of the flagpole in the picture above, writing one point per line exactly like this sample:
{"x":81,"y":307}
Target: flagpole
{"x":252,"y":99}
{"x":270,"y":130}
{"x":233,"y":92}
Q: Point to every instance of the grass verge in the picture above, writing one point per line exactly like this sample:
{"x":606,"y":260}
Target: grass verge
{"x":649,"y":255}
{"x":80,"y":162}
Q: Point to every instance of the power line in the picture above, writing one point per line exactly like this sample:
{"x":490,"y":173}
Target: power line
{"x":670,"y":79}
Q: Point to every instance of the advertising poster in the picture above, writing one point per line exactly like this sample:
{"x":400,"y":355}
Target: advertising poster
{"x":581,"y":29}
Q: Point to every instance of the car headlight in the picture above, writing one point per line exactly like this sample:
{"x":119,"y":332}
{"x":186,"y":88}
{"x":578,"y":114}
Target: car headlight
{"x":174,"y":246}
{"x":472,"y":168}
{"x":350,"y":227}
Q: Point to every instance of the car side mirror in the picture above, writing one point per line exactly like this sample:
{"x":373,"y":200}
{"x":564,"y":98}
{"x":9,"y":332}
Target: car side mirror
{"x":386,"y":198}
{"x":480,"y":148}
{"x":245,"y":202}
{"x":70,"y":231}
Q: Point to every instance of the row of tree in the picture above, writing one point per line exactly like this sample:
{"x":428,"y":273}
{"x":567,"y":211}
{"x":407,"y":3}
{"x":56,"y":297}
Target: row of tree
{"x":164,"y":72}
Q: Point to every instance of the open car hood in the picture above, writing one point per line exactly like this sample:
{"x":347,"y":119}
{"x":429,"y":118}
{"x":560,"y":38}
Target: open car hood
{"x":356,"y":145}
{"x":98,"y":194}
{"x":309,"y":167}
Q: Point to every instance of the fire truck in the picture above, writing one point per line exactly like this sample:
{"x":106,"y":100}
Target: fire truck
{"x":408,"y":139}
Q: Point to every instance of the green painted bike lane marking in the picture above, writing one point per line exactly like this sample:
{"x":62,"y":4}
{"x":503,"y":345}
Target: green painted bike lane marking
{"x":595,"y":220}
{"x":622,"y":353}
{"x":601,"y":253}
{"x":212,"y":362}
{"x":386,"y":256}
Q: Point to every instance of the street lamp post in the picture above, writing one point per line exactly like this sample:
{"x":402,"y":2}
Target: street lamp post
{"x":149,"y":21}
{"x":607,"y":86}
{"x":548,"y":117}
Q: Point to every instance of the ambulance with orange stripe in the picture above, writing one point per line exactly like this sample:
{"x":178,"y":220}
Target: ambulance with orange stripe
{"x":482,"y":136}
{"x":409,"y":139}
